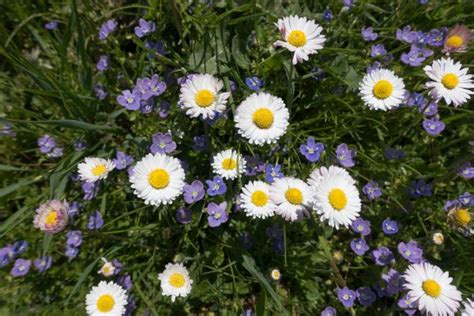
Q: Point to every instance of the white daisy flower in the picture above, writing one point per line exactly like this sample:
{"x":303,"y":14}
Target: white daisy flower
{"x":336,"y":196}
{"x":94,"y":168}
{"x":107,"y":298}
{"x":381,"y":89}
{"x":275,"y":274}
{"x":108,"y":269}
{"x":431,"y":289}
{"x":228,"y":164}
{"x":468,"y":309}
{"x":301,"y":36}
{"x":449,"y":81}
{"x":291,"y":196}
{"x":255,"y":200}
{"x":158,"y":179}
{"x":201,"y":96}
{"x":175,"y":281}
{"x":262,"y":118}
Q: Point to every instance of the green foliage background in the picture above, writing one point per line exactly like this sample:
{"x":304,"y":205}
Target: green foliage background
{"x":46,"y":82}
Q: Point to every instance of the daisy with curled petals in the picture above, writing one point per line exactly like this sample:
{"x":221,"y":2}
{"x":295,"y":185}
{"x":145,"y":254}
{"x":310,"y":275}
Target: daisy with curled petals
{"x":457,"y":39}
{"x":300,"y":36}
{"x":468,"y":309}
{"x":107,"y":298}
{"x":336,"y":196}
{"x":255,"y":200}
{"x":94,"y":168}
{"x":175,"y":281}
{"x":201,"y":95}
{"x":431,"y":289}
{"x":158,"y":179}
{"x":381,"y":89}
{"x":291,"y":196}
{"x":262,"y":118}
{"x":450,"y":81}
{"x":229,"y":164}
{"x":52,"y":216}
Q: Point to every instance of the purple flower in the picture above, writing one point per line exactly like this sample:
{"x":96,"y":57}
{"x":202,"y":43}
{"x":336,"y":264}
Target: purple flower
{"x":52,"y":25}
{"x":144,"y":28}
{"x":254,"y":165}
{"x":466,"y":199}
{"x":129,"y":100}
{"x":382,"y":256}
{"x":408,"y":306}
{"x":164,"y":109}
{"x":450,"y":204}
{"x":95,"y":221}
{"x":368,"y":34}
{"x":436,"y":37}
{"x":420,"y":188}
{"x":361,"y":226}
{"x":348,"y":3}
{"x":103,"y":63}
{"x":74,"y":238}
{"x":150,"y":87}
{"x":162,"y":143}
{"x":158,"y":47}
{"x":71,"y":252}
{"x":377,"y":50}
{"x":345,"y":156}
{"x":21,"y":267}
{"x":20,"y":247}
{"x":184,"y":215}
{"x":42,"y":264}
{"x":415,"y":99}
{"x":317,"y":73}
{"x":416,"y":56}
{"x":311,"y":150}
{"x":273,"y":172}
{"x":217,"y":214}
{"x":433,"y":126}
{"x":90,"y":190}
{"x":394,"y":154}
{"x":79,"y":145}
{"x":466,"y":171}
{"x":6,"y":130}
{"x":423,"y":2}
{"x":193,"y":192}
{"x":359,"y":246}
{"x":56,"y":152}
{"x":147,"y":106}
{"x":366,"y":296}
{"x":394,"y":282}
{"x":346,"y":296}
{"x":389,"y":227}
{"x":125,"y":281}
{"x":122,"y":160}
{"x":6,"y":255}
{"x":327,"y":15}
{"x":216,"y":186}
{"x":274,"y":232}
{"x":200,"y":142}
{"x":100,"y":92}
{"x":74,"y":208}
{"x":254,"y":83}
{"x":46,"y":143}
{"x":406,"y":35}
{"x":410,"y":251}
{"x":107,"y":28}
{"x":372,"y":190}
{"x":429,"y":110}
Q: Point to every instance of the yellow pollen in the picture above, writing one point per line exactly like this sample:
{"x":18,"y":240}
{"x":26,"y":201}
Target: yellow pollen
{"x":159,"y":178}
{"x":337,"y":199}
{"x":263,"y":118}
{"x":105,"y":303}
{"x":382,"y":89}
{"x":99,"y":170}
{"x":297,"y":38}
{"x":229,"y":164}
{"x":51,"y":218}
{"x":462,"y":216}
{"x":454,"y":41}
{"x":294,"y":196}
{"x":431,"y":288}
{"x":177,"y":280}
{"x":450,"y":81}
{"x":204,"y":98}
{"x":259,"y":198}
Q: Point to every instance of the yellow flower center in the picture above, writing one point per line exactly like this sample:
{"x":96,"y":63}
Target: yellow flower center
{"x":259,"y":198}
{"x":51,"y":218}
{"x":462,"y":216}
{"x":204,"y":98}
{"x":297,"y":38}
{"x":294,"y":196}
{"x":383,"y":89}
{"x":177,"y":280}
{"x":263,"y":118}
{"x":159,"y":178}
{"x":454,"y":41}
{"x":99,"y":170}
{"x":431,"y":288}
{"x":229,"y":164}
{"x":450,"y":81}
{"x":337,"y":199}
{"x":105,"y":303}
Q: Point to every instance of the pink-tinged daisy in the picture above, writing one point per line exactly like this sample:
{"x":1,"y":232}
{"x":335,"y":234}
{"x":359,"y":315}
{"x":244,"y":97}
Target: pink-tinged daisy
{"x":52,"y":216}
{"x":457,"y":39}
